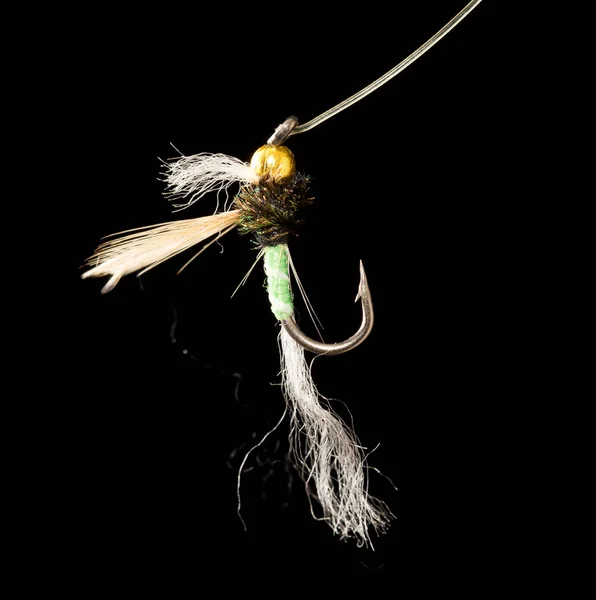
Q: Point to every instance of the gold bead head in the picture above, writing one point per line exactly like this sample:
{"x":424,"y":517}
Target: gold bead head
{"x":274,"y":163}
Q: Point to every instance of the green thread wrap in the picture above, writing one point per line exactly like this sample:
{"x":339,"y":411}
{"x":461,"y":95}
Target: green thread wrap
{"x":278,"y":281}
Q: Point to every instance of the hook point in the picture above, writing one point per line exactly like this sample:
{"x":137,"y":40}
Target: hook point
{"x":363,"y":289}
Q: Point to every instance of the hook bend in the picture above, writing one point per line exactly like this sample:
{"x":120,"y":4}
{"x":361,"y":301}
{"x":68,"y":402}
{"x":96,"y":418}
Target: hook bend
{"x":363,"y":332}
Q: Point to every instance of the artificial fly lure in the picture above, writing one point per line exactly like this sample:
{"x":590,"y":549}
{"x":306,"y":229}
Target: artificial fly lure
{"x":271,"y":193}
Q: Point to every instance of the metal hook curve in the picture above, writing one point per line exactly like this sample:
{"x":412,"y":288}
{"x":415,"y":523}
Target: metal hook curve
{"x":283,"y":131}
{"x":340,"y":347}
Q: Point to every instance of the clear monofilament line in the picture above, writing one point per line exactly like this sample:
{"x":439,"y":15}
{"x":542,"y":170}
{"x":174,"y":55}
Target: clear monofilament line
{"x":404,"y":64}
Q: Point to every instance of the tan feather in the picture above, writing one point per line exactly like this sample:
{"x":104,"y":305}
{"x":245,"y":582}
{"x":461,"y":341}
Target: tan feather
{"x":147,"y":247}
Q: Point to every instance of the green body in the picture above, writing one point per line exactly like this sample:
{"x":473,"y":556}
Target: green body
{"x":278,"y":281}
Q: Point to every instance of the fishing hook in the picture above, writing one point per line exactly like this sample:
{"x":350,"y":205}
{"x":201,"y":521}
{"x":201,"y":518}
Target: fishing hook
{"x":363,"y":332}
{"x":279,"y":136}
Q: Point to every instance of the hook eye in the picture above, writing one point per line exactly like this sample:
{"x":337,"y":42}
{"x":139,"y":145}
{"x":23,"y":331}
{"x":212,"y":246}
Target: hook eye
{"x":283,"y":131}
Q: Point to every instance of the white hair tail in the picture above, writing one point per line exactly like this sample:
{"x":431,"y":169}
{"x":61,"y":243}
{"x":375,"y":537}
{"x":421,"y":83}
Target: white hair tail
{"x":328,"y":453}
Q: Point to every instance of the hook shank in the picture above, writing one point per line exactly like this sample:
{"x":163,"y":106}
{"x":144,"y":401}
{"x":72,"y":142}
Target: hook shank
{"x":340,"y":347}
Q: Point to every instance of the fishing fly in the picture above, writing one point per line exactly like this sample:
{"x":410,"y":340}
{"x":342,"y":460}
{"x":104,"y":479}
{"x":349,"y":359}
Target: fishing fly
{"x":272,"y":192}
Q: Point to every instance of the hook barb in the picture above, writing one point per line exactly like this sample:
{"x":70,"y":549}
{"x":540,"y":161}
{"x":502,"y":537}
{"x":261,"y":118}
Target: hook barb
{"x":363,"y":332}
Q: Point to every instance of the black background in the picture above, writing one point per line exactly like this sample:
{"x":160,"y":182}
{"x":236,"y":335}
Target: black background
{"x":167,"y":381}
